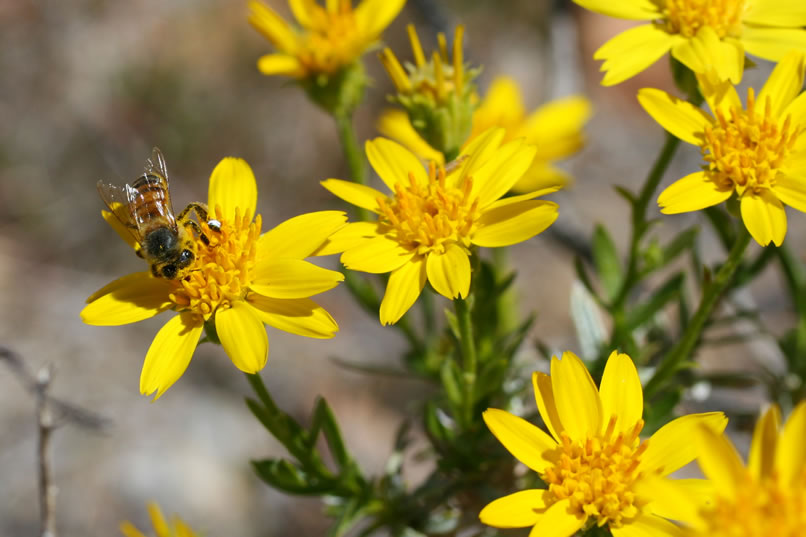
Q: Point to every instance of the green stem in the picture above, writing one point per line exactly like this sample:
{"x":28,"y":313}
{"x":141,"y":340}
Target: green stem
{"x":353,"y":155}
{"x":682,"y":350}
{"x":795,"y":276}
{"x":639,"y":222}
{"x":468,"y":346}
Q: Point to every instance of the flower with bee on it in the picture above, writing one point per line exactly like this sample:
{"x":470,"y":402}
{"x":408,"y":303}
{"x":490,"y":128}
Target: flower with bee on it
{"x":239,"y":280}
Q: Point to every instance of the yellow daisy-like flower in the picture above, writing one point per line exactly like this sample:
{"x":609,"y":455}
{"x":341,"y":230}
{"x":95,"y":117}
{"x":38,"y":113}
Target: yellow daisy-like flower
{"x":162,"y":528}
{"x":701,"y":34}
{"x":427,"y":228}
{"x":330,"y":37}
{"x":768,"y":497}
{"x":596,"y":468}
{"x":239,"y":281}
{"x":555,"y":128}
{"x":758,"y":152}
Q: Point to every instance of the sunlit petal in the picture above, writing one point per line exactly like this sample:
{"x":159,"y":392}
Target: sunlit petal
{"x":355,"y":194}
{"x":558,"y":521}
{"x":693,"y":192}
{"x":790,"y":453}
{"x":170,"y":353}
{"x":784,"y":83}
{"x":519,"y":510}
{"x":544,"y":396}
{"x":292,"y":278}
{"x":233,"y":185}
{"x":404,"y":286}
{"x":514,"y":223}
{"x":449,"y":273}
{"x":576,"y":396}
{"x":526,"y":442}
{"x":632,"y":51}
{"x":301,"y":236}
{"x":393,"y":163}
{"x":128,"y":299}
{"x":671,"y":448}
{"x":621,"y":393}
{"x":679,"y":117}
{"x":377,"y":255}
{"x":301,"y":316}
{"x":243,"y":336}
{"x":761,"y":458}
{"x":764,"y":216}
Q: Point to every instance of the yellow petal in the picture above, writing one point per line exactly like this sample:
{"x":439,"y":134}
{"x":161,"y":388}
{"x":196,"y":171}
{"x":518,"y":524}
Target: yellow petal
{"x":243,"y":336}
{"x":691,"y":193}
{"x":355,"y":194}
{"x":784,"y":84}
{"x":502,"y":106}
{"x":273,"y":27}
{"x":718,"y":460}
{"x":556,"y":127}
{"x":526,"y":442}
{"x":621,"y":393}
{"x":648,"y":526}
{"x":623,"y":9}
{"x":558,"y":521}
{"x":497,"y":176}
{"x":632,"y":51}
{"x":761,"y":459}
{"x":301,"y":316}
{"x":706,"y":53}
{"x":476,"y":153}
{"x":300,"y":236}
{"x":764,"y":217}
{"x":120,"y":228}
{"x":519,"y":510}
{"x":157,"y":520}
{"x":679,"y":117}
{"x":797,"y":109}
{"x":349,"y":236}
{"x":791,"y":190}
{"x":170,"y":353}
{"x":449,"y":273}
{"x":671,"y":448}
{"x":233,"y":185}
{"x":668,"y":498}
{"x":512,"y":200}
{"x":373,"y":16}
{"x":790,"y":454}
{"x":575,"y":394}
{"x":773,"y":43}
{"x":280,"y":64}
{"x":541,"y":176}
{"x":377,"y":255}
{"x":404,"y":286}
{"x":719,"y":94}
{"x":128,"y":530}
{"x":292,"y":278}
{"x":394,"y":123}
{"x":514,"y":223}
{"x":786,"y":13}
{"x":127,"y":300}
{"x":544,"y":396}
{"x":393,"y":163}
{"x":303,"y":11}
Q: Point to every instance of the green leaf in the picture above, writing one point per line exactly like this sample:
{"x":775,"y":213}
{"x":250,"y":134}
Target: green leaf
{"x":681,"y":243}
{"x":582,"y":276}
{"x":451,"y":375}
{"x":646,"y":311}
{"x":282,"y":474}
{"x":606,"y":260}
{"x":587,"y":320}
{"x":626,"y":194}
{"x":323,"y":418}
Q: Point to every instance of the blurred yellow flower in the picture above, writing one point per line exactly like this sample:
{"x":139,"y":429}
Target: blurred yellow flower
{"x":768,"y":497}
{"x":701,"y":34}
{"x":329,"y":37}
{"x":555,"y":128}
{"x":428,"y":227}
{"x":758,"y":152}
{"x":162,"y":528}
{"x":596,"y":468}
{"x":239,"y":281}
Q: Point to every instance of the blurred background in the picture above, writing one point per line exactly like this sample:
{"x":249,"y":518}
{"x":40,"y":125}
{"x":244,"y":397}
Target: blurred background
{"x":87,"y":87}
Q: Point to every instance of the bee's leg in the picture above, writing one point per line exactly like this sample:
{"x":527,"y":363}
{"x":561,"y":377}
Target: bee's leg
{"x":192,"y":224}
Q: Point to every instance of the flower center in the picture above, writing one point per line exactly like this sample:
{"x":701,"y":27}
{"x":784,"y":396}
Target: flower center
{"x":686,"y":17}
{"x":429,"y":217}
{"x":222,"y":270}
{"x":333,"y":41}
{"x":597,"y":475}
{"x":764,"y":509}
{"x":748,"y":148}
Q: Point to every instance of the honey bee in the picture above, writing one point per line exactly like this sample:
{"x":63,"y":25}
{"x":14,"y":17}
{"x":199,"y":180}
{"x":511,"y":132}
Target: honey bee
{"x":144,"y":208}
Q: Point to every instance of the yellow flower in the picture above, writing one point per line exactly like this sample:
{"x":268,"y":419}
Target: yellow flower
{"x":162,"y":528}
{"x":596,"y":468}
{"x":330,"y":37}
{"x":239,"y":281}
{"x":428,"y":227}
{"x":701,"y":34}
{"x":437,"y":92}
{"x":768,"y":497}
{"x":758,"y":152}
{"x":555,"y":128}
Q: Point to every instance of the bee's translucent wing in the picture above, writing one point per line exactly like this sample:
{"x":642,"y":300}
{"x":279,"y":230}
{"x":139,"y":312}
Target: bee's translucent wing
{"x":117,"y":199}
{"x":156,"y":164}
